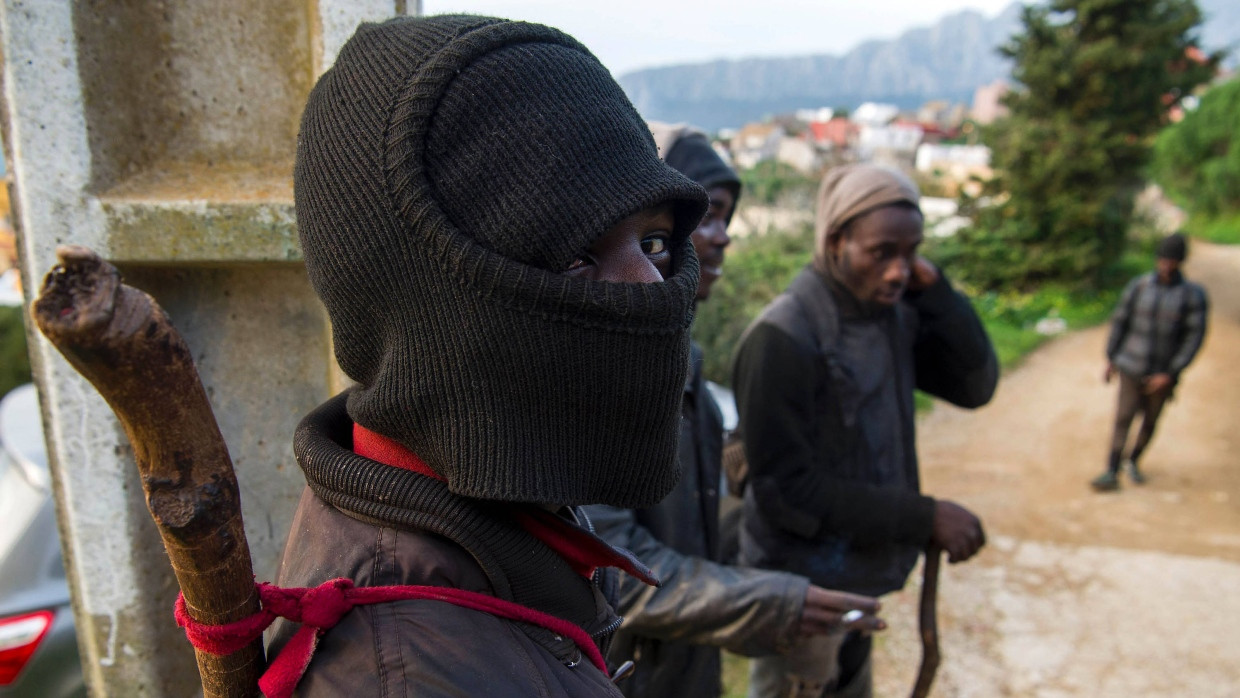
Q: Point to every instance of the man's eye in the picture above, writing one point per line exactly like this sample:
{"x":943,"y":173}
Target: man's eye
{"x":579,"y":263}
{"x":654,"y":244}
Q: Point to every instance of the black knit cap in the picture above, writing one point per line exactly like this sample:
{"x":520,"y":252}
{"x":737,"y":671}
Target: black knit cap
{"x":1174,"y":246}
{"x":693,"y":156}
{"x":447,"y":169}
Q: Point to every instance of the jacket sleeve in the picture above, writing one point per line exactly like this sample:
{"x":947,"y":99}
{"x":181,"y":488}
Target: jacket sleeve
{"x":776,"y":379}
{"x":953,"y":355}
{"x":1193,"y":330}
{"x":747,"y":611}
{"x":1120,"y":318}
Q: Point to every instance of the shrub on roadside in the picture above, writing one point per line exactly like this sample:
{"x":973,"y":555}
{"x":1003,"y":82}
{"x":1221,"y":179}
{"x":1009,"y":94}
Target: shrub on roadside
{"x":14,"y":361}
{"x":1197,"y":162}
{"x":758,"y":268}
{"x":771,"y":182}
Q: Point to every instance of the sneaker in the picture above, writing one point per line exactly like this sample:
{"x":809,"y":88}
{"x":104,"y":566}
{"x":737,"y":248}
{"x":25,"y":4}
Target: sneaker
{"x":1134,"y":473}
{"x":1106,"y":482}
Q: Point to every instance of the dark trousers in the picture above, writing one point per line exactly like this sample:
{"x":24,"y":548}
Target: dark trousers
{"x":1133,"y":399}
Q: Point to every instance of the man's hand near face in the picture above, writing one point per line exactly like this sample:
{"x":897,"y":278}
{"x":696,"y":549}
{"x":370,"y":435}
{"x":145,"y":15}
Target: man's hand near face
{"x":922,"y":275}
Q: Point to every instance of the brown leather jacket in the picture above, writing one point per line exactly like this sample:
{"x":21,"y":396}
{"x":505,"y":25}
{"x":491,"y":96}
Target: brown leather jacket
{"x":429,"y":648}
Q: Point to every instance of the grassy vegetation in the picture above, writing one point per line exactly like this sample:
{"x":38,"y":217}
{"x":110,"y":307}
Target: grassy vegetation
{"x":1223,"y":228}
{"x":1011,"y":318}
{"x":759,"y":267}
{"x":771,"y":183}
{"x":735,"y":675}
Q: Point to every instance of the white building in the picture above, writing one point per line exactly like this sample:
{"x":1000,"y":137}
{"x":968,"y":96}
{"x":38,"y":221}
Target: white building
{"x":755,"y":143}
{"x":799,"y":154}
{"x":956,"y":160}
{"x":891,"y":138}
{"x":874,"y":114}
{"x":809,"y":116}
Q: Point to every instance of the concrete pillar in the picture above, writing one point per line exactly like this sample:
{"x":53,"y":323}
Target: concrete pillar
{"x":161,"y":134}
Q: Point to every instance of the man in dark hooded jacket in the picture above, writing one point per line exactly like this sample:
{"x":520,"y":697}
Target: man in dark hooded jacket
{"x":507,"y":267}
{"x":674,"y":632}
{"x":824,"y":384}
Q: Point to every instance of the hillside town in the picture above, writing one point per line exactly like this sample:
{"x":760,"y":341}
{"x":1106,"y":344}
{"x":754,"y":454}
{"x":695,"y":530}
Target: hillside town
{"x":938,"y":142}
{"x":938,"y":139}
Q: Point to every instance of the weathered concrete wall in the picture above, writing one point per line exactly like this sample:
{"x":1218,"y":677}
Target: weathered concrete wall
{"x":162,"y":135}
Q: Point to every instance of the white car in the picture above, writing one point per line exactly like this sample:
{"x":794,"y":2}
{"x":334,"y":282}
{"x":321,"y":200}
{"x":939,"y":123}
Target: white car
{"x":38,"y":642}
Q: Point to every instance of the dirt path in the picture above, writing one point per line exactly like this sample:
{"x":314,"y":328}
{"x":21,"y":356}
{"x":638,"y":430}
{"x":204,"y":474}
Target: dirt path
{"x":1081,"y":594}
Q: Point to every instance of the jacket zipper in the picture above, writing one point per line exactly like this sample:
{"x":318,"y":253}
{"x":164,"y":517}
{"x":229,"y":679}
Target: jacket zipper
{"x":609,"y":628}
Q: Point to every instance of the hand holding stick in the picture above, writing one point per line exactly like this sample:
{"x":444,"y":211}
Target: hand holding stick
{"x":122,"y":342}
{"x":927,"y":621}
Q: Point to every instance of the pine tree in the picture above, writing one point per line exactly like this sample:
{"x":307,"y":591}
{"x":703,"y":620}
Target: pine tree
{"x":1095,"y":81}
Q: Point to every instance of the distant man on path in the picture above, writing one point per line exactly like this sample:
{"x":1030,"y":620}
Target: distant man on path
{"x":824,"y":383}
{"x":1156,"y":331}
{"x":673,"y":632}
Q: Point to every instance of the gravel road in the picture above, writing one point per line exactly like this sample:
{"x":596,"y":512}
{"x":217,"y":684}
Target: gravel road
{"x":1135,"y":593}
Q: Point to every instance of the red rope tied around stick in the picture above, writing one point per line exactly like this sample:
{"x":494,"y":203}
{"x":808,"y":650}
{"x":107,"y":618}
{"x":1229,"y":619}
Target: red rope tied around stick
{"x":320,"y":608}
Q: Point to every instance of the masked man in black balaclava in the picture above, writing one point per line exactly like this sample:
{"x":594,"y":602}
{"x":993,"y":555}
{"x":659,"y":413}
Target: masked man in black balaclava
{"x":509,"y":275}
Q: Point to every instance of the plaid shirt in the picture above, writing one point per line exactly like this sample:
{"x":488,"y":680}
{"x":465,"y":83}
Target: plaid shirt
{"x":1157,"y":328}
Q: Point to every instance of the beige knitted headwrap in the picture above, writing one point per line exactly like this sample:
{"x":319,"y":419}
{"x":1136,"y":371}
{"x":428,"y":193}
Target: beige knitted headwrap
{"x":851,"y":190}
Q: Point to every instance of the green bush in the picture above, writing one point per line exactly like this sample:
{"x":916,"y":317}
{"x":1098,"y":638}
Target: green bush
{"x":1010,"y":317}
{"x":758,"y":268}
{"x":770,"y":182}
{"x":1197,"y":161}
{"x":1223,"y":228}
{"x":14,"y":361}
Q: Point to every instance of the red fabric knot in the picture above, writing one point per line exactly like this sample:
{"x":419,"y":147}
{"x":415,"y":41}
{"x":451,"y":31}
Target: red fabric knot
{"x":324,"y":605}
{"x":284,"y":603}
{"x":319,"y":608}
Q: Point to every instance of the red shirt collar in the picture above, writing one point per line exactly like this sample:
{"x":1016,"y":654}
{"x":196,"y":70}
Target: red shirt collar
{"x":582,"y":550}
{"x":377,"y":447}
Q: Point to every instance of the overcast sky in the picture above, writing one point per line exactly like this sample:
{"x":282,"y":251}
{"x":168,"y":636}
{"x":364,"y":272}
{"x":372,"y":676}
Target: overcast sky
{"x":631,"y":34}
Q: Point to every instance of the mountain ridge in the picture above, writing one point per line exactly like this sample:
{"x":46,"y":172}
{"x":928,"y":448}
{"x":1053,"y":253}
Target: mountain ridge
{"x":947,"y":60}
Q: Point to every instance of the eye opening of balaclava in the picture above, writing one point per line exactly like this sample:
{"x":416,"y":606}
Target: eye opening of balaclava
{"x":447,"y":168}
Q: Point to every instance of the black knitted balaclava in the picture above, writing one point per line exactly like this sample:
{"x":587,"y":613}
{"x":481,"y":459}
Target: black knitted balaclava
{"x":447,"y":169}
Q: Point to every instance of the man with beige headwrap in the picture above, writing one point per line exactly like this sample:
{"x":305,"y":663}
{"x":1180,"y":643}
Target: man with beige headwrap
{"x":824,"y":382}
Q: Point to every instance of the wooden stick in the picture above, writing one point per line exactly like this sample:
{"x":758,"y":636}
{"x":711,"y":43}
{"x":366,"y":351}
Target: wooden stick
{"x":122,"y":342}
{"x":927,"y":621}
